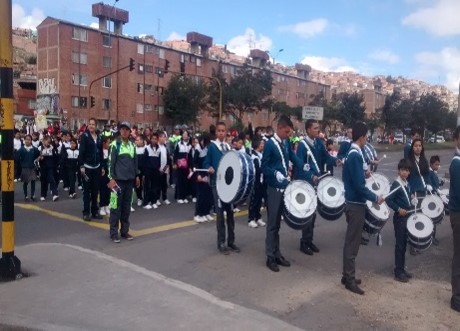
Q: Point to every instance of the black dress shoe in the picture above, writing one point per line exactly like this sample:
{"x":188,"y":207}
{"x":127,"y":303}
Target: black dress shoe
{"x":272,"y":265}
{"x":97,"y":217}
{"x":408,"y":274}
{"x":223,"y":249}
{"x":353,"y":287}
{"x":402,"y":278}
{"x":234,"y":248}
{"x":454,"y":306}
{"x":86,"y":218}
{"x":283,"y":262}
{"x":357,"y":281}
{"x":314,"y":248}
{"x":306,"y":249}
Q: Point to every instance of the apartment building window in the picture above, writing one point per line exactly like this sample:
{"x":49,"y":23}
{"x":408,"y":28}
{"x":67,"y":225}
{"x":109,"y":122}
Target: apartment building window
{"x":107,"y":82}
{"x":182,"y":58}
{"x":148,"y":87}
{"x":140,"y":48}
{"x":148,"y":68}
{"x":79,"y":102}
{"x":140,"y":68}
{"x":192,"y":59}
{"x":106,"y":104}
{"x":106,"y":40}
{"x":150,"y":49}
{"x":159,"y":89}
{"x":198,"y":62}
{"x":224,"y":69}
{"x":139,"y":108}
{"x":80,"y":34}
{"x":107,"y":62}
{"x":31,"y":103}
{"x":78,"y":57}
{"x":161,"y":53}
{"x":148,"y":107}
{"x":140,"y":88}
{"x":81,"y":80}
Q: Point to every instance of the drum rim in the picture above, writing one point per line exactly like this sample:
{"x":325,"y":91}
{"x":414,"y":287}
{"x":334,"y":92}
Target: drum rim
{"x":429,"y":198}
{"x":314,"y":201}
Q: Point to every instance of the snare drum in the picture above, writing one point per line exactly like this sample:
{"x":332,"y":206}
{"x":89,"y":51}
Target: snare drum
{"x":420,"y":231}
{"x":235,"y":177}
{"x":433,"y":207}
{"x":331,"y":198}
{"x":376,"y":217}
{"x":378,"y":183}
{"x":299,"y":204}
{"x":444,"y":195}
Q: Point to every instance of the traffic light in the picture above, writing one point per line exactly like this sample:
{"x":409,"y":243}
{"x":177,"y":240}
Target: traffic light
{"x":166,"y":66}
{"x":182,"y":68}
{"x":93,"y":101}
{"x":131,"y":64}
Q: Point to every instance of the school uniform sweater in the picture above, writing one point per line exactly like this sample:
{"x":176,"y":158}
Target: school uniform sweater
{"x":454,"y":190}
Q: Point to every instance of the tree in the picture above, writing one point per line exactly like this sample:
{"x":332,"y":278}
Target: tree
{"x":212,"y":105}
{"x":330,"y":110}
{"x":428,"y":112}
{"x":282,"y":108}
{"x":351,"y":108}
{"x":183,"y":99}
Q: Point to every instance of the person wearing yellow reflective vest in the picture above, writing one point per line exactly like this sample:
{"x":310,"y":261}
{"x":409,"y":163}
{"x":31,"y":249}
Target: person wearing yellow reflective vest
{"x":122,"y":173}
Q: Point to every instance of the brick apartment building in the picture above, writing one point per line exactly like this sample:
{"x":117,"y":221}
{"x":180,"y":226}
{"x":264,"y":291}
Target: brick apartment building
{"x":71,"y":56}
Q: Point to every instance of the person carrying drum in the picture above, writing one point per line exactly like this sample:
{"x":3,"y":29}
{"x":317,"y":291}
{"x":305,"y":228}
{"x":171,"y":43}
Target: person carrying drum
{"x":275,"y":166}
{"x":356,"y":194}
{"x":454,"y":212}
{"x":435,"y":163}
{"x":401,"y":202}
{"x":216,"y":150}
{"x":313,"y":154}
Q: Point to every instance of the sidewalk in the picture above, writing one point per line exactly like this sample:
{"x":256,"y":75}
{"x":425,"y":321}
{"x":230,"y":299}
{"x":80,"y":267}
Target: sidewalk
{"x":72,"y":288}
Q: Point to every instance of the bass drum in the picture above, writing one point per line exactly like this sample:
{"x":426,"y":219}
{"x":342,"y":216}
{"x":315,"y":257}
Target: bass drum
{"x":376,"y":217}
{"x":235,"y":177}
{"x":331,"y":198}
{"x":420,"y":231}
{"x":299,"y":204}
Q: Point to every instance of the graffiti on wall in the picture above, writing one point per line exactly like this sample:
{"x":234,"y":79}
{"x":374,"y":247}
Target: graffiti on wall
{"x":47,"y":96}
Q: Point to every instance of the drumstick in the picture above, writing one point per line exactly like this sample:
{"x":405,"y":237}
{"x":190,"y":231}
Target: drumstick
{"x":326,"y":174}
{"x":391,"y":192}
{"x":373,"y":178}
{"x":205,"y":170}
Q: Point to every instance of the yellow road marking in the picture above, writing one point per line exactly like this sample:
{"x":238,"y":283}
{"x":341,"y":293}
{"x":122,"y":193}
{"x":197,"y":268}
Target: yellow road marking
{"x":105,"y":226}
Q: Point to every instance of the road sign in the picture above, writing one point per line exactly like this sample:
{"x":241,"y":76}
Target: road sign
{"x":310,"y":112}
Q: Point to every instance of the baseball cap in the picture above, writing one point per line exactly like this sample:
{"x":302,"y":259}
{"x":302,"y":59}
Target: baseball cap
{"x":126,"y":125}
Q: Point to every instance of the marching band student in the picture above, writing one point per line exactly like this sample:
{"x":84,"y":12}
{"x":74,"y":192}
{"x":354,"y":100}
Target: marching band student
{"x":27,"y":155}
{"x":17,"y":144}
{"x":192,"y":184}
{"x":401,"y":202}
{"x":332,"y":152}
{"x":182,"y":162}
{"x":151,"y":173}
{"x":104,"y":191}
{"x":260,"y":188}
{"x":165,"y":167}
{"x":70,"y":163}
{"x":435,"y":163}
{"x":313,"y":154}
{"x":48,"y":162}
{"x":371,"y":155}
{"x":356,"y":194}
{"x":454,"y":212}
{"x":345,"y":145}
{"x":203,"y":190}
{"x":216,"y":150}
{"x":140,"y":154}
{"x":275,"y":167}
{"x":415,"y":134}
{"x":63,"y":146}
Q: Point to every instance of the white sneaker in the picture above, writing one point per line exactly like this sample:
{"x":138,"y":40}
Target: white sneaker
{"x":61,"y":181}
{"x":107,"y":210}
{"x":80,"y":187}
{"x":185,"y":201}
{"x":42,"y":199}
{"x":139,"y":202}
{"x":158,"y":203}
{"x":209,"y":218}
{"x":148,"y":206}
{"x":180,"y":201}
{"x":55,"y":197}
{"x":260,"y":222}
{"x":236,"y":210}
{"x":15,"y":180}
{"x":102,"y":211}
{"x":155,"y":206}
{"x":252,"y":224}
{"x":194,"y":200}
{"x":199,"y":219}
{"x":133,"y":210}
{"x":167,"y":202}
{"x":66,"y":188}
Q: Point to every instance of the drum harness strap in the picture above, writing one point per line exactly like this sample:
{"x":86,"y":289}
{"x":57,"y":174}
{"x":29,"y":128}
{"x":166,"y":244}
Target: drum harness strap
{"x":278,"y":145}
{"x":357,"y":150}
{"x":309,"y":153}
{"x":401,"y":184}
{"x":420,"y":174}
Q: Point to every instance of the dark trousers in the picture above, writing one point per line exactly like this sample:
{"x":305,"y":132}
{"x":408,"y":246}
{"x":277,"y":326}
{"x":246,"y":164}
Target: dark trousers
{"x":140,"y":191}
{"x":104,"y":192}
{"x":203,"y":199}
{"x":355,"y":216}
{"x":152,"y":186}
{"x":65,"y":176}
{"x":307,"y":232}
{"x":220,"y":222}
{"x":255,"y":201}
{"x":274,"y":209}
{"x":182,"y":184}
{"x":164,"y":186}
{"x":17,"y":165}
{"x":400,"y":226}
{"x":48,"y":179}
{"x":120,"y":208}
{"x":32,"y":188}
{"x":71,"y":178}
{"x":91,"y":191}
{"x":455,"y":224}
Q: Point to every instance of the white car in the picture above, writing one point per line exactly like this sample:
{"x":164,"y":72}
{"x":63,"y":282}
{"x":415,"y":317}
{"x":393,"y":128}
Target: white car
{"x":439,"y":139}
{"x":399,"y":139}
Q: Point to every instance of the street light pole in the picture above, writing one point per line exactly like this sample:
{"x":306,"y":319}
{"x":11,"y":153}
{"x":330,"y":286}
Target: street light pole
{"x":274,"y":57}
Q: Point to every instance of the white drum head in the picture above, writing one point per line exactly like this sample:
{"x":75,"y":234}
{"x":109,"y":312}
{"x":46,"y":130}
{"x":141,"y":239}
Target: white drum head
{"x":228,"y":176}
{"x":378,"y":183}
{"x":331,"y":192}
{"x":432,"y":206}
{"x":300,"y":199}
{"x":444,"y":195}
{"x":420,"y":226}
{"x":380,"y":212}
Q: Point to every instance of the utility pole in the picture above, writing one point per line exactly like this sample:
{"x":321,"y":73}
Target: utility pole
{"x":10,"y":265}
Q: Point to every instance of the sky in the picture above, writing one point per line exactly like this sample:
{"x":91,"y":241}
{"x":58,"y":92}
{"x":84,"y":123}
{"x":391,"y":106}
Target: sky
{"x":416,"y":39}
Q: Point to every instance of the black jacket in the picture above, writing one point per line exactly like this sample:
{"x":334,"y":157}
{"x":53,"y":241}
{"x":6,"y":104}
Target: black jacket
{"x":90,"y":150}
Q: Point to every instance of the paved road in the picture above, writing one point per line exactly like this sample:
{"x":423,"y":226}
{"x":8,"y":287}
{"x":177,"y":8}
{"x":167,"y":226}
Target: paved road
{"x":169,"y":244}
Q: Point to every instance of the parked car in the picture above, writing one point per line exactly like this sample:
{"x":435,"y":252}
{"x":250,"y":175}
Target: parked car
{"x":439,"y":139}
{"x":399,"y":139}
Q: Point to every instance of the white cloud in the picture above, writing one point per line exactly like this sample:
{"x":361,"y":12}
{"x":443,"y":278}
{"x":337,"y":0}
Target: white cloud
{"x":385,"y":56}
{"x":307,"y":29}
{"x":175,"y":36}
{"x":27,"y":21}
{"x":328,"y":64}
{"x":242,"y":44}
{"x":444,"y":65}
{"x":439,"y":19}
{"x":94,"y":25}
